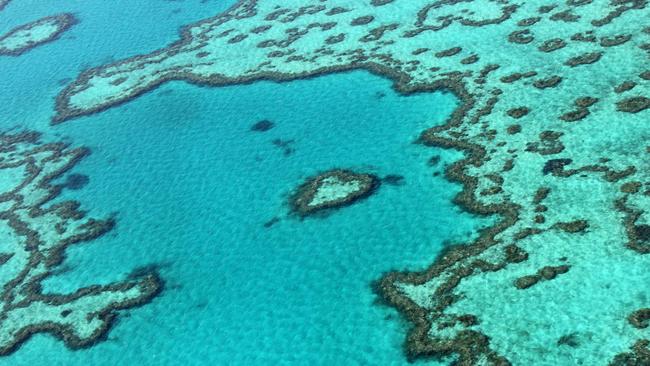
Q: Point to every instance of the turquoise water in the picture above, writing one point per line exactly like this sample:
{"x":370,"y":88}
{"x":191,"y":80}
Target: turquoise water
{"x":192,"y":187}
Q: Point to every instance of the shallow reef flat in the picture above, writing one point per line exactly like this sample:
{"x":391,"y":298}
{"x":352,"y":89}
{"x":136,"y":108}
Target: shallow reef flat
{"x":25,"y":37}
{"x":34,"y":234}
{"x":553,"y":121}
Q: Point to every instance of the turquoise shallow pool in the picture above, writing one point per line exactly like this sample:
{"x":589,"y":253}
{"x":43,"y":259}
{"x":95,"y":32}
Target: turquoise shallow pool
{"x":192,"y":186}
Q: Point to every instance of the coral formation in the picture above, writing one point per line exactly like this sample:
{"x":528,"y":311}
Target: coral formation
{"x":25,"y":37}
{"x":334,"y":188}
{"x":262,"y":126}
{"x":35,"y":234}
{"x":574,"y":49}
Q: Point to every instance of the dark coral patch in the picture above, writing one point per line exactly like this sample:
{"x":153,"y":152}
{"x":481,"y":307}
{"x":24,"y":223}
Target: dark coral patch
{"x":549,"y":143}
{"x":434,"y":160}
{"x":419,"y":51}
{"x":362,"y":20}
{"x":640,"y":318}
{"x":525,"y":282}
{"x":393,"y":180}
{"x":584,"y":59}
{"x":625,"y":86}
{"x":565,"y":16}
{"x":585,"y":102}
{"x":517,"y":76}
{"x":271,"y":222}
{"x":584,"y":37}
{"x":528,"y":21}
{"x":552,"y":45}
{"x":518,"y":112}
{"x":380,"y":2}
{"x":522,"y":36}
{"x":549,"y":82}
{"x":262,"y":126}
{"x":576,"y":115}
{"x":555,"y":165}
{"x":572,"y":226}
{"x":285,"y":145}
{"x":469,"y":60}
{"x":448,"y":52}
{"x":513,"y":129}
{"x":515,"y":254}
{"x":335,"y":39}
{"x":578,"y":2}
{"x":639,"y":355}
{"x":337,"y":10}
{"x":615,"y":40}
{"x":633,"y":105}
{"x":631,"y":187}
{"x":546,"y":8}
{"x":541,"y":194}
{"x":76,"y":181}
{"x":570,"y":340}
{"x":547,"y":273}
{"x":642,"y":233}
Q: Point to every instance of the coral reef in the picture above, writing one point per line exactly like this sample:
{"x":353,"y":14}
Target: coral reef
{"x":262,"y":126}
{"x":25,"y":37}
{"x":495,"y":59}
{"x":333,"y":188}
{"x":35,"y":234}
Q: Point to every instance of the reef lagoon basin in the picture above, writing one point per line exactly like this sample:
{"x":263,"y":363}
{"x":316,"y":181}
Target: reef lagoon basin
{"x":219,"y":229}
{"x":259,"y":182}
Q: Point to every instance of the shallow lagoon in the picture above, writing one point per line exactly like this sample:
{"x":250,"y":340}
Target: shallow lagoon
{"x":196,"y":187}
{"x":192,"y":187}
{"x":228,"y":290}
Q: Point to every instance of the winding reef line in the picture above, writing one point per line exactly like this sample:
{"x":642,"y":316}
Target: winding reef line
{"x":557,"y":151}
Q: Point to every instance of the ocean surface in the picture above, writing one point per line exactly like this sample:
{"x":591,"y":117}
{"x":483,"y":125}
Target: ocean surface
{"x":191,"y":187}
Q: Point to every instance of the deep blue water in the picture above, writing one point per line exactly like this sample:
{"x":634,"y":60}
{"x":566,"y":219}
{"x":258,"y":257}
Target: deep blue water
{"x":192,"y":187}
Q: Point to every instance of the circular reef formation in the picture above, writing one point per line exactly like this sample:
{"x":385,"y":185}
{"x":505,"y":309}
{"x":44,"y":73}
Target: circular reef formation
{"x":332,"y":189}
